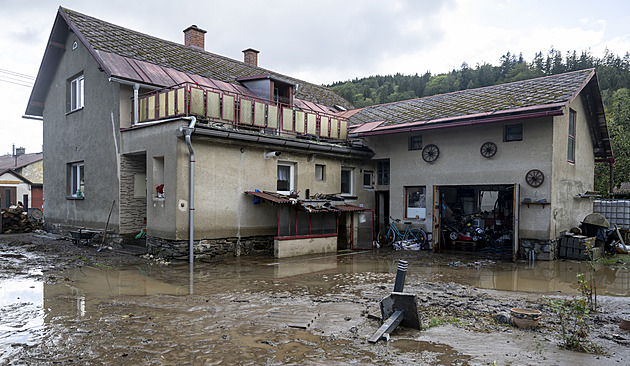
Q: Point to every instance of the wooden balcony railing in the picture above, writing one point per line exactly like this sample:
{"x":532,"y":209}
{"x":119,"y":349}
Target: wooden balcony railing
{"x":214,"y":105}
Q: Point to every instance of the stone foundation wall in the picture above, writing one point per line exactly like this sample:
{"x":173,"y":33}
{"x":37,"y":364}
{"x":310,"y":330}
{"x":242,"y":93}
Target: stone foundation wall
{"x":210,"y":248}
{"x":544,"y":250}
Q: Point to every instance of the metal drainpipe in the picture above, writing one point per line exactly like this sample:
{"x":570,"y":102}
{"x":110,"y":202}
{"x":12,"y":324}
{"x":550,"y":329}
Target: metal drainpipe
{"x":136,"y":87}
{"x":191,"y":204}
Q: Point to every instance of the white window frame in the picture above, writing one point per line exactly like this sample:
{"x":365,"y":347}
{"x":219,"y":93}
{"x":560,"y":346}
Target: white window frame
{"x":291,"y":177}
{"x":76,"y":93}
{"x":351,"y":183}
{"x":415,"y":206}
{"x":77,"y":179}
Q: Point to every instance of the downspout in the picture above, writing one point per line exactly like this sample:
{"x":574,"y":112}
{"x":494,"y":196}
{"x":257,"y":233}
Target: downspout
{"x":136,"y":87}
{"x":191,"y":189}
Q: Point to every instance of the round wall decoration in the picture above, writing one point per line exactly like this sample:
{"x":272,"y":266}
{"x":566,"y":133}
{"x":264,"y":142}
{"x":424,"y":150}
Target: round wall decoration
{"x":430,"y":153}
{"x":488,"y":149}
{"x":535,"y":178}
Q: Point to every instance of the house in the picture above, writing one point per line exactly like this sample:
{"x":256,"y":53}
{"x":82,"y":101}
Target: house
{"x":21,"y":179}
{"x":214,"y":155}
{"x":173,"y":135}
{"x":520,"y":155}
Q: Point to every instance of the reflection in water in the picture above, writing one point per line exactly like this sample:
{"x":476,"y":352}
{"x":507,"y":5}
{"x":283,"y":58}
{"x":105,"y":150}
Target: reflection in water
{"x":32,"y":312}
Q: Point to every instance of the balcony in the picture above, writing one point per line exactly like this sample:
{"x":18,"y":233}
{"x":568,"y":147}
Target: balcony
{"x":241,"y":112}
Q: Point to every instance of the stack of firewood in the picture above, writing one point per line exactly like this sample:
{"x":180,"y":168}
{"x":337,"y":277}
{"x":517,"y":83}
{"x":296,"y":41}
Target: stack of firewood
{"x":15,"y":220}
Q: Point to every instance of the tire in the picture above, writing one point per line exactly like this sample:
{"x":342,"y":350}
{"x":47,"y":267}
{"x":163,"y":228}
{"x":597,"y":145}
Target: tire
{"x":386,"y":237}
{"x":418,"y":236}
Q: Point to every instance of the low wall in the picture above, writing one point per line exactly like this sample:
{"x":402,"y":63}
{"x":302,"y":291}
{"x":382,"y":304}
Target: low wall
{"x":295,"y":247}
{"x":210,"y":248}
{"x":544,"y":250}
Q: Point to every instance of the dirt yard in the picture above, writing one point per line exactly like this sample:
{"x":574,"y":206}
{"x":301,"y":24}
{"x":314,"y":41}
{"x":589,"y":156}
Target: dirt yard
{"x":68,"y":304}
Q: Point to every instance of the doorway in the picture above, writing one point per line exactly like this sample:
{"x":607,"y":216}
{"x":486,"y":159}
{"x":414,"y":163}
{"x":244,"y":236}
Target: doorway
{"x":477,"y":219}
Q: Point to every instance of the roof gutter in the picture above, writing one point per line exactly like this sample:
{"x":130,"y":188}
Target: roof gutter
{"x":434,"y":126}
{"x":281,"y":142}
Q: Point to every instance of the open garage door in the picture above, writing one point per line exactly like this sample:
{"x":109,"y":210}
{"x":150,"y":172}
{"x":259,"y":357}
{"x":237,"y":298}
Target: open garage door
{"x":476,"y":219}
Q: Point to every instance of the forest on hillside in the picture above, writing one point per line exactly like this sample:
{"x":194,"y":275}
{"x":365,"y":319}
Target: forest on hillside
{"x":613,"y":73}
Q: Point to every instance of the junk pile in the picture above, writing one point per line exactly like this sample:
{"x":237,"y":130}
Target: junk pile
{"x":15,"y":220}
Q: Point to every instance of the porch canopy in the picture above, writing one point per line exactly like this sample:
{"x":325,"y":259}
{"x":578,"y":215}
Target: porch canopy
{"x":306,"y":218}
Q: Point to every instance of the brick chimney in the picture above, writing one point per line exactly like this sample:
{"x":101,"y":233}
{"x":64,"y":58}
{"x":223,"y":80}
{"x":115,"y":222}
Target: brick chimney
{"x":195,"y":37}
{"x":250,"y":56}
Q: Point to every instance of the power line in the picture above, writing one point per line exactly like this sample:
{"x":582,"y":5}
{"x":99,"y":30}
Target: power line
{"x":17,"y":83}
{"x":17,"y":74}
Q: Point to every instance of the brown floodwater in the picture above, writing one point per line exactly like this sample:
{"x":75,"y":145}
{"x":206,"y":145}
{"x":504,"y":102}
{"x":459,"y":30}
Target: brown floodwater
{"x":236,"y":310}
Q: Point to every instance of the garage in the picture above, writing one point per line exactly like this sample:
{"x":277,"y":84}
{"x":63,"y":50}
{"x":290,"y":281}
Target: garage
{"x":480,"y":219}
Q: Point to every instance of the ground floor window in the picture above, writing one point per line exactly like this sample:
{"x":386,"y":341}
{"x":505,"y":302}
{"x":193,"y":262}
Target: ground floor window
{"x":77,"y":181}
{"x":416,"y":202}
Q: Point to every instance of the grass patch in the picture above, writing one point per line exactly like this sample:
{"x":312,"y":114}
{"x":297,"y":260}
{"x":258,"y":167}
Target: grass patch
{"x":616,"y":259}
{"x":438,"y":321}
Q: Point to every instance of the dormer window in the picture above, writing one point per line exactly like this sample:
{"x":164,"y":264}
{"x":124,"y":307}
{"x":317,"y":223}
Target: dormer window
{"x":270,"y":88}
{"x":282,"y":93}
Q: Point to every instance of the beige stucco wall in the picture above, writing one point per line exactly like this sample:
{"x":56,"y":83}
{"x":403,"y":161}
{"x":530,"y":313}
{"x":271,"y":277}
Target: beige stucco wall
{"x":571,"y":178}
{"x":296,"y":247}
{"x":224,"y":170}
{"x":460,"y":163}
{"x":34,"y":172}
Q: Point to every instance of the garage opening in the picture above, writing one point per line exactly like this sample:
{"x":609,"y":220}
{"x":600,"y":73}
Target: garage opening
{"x":476,"y":219}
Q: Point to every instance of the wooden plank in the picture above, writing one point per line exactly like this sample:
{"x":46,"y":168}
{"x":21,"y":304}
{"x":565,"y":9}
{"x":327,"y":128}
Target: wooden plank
{"x":162,"y":105}
{"x":334,"y":130}
{"x":287,"y":119}
{"x":171,"y":103}
{"x":323,"y":126}
{"x":311,"y":124}
{"x":272,"y":116}
{"x":196,"y":102}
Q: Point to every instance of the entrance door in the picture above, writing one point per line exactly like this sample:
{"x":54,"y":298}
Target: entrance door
{"x":9,"y":196}
{"x":382,"y":211}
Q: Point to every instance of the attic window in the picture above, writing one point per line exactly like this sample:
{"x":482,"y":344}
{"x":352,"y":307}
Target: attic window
{"x":75,"y":45}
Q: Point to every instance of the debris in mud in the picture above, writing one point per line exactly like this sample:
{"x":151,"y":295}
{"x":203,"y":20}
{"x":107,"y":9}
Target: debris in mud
{"x":158,"y":260}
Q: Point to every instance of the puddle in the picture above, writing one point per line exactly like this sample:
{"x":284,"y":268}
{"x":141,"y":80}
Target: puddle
{"x":435,"y":353}
{"x":21,"y":312}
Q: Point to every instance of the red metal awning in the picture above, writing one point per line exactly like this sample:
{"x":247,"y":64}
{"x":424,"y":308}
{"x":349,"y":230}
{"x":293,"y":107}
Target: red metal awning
{"x":269,"y":197}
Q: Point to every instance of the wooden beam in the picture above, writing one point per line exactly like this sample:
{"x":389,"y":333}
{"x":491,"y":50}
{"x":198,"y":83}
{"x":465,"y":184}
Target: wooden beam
{"x":57,"y":44}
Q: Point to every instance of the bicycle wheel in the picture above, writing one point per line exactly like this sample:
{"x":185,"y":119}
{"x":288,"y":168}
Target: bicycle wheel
{"x":386,"y":237}
{"x":418,"y":236}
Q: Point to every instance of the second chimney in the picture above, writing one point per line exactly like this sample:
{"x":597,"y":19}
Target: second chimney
{"x":250,"y":56}
{"x":195,"y":37}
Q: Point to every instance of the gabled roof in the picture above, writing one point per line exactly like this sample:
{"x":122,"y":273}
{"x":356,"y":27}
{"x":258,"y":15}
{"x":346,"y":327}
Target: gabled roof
{"x":522,"y":99}
{"x":10,"y":162}
{"x":16,"y":174}
{"x":135,"y":56}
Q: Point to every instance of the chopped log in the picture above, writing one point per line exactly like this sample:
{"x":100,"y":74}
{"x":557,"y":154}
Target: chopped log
{"x":15,"y":220}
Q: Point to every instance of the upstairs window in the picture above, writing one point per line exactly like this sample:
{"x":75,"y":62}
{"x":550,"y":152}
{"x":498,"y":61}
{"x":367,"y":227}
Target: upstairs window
{"x":320,"y":172}
{"x":286,"y":178}
{"x":415,"y":142}
{"x":346,"y":181}
{"x":368,"y":179}
{"x":571,"y":147}
{"x":76,"y":93}
{"x":513,"y":132}
{"x":382,"y":172}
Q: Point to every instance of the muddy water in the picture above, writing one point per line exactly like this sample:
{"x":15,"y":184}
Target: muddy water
{"x":245,"y":310}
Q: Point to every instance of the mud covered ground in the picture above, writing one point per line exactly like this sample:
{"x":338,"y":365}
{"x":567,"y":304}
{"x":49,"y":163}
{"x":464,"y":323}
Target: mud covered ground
{"x":68,"y":304}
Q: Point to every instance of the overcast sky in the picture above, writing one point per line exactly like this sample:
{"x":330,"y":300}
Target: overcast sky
{"x":319,"y":41}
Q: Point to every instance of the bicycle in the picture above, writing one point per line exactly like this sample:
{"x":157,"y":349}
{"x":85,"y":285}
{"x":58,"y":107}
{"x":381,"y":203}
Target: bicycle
{"x":390,"y":234}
